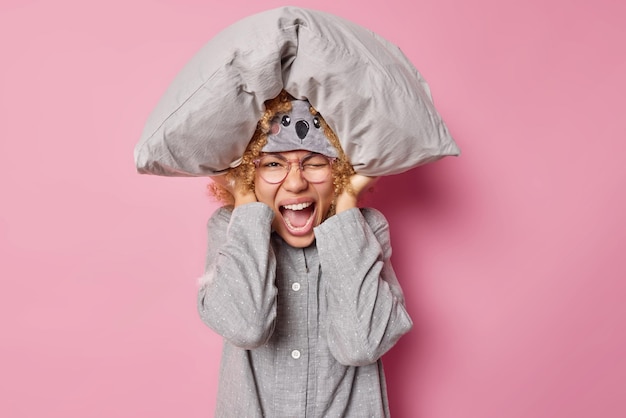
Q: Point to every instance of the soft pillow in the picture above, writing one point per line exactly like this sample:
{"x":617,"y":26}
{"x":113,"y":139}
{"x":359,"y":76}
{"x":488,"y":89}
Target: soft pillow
{"x":364,"y":87}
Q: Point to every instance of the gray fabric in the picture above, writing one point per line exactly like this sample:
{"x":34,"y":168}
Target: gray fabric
{"x":369,"y":93}
{"x":346,"y":313}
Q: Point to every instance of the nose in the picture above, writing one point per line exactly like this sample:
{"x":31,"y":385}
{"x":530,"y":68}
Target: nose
{"x":295,"y":182}
{"x":302,"y":128}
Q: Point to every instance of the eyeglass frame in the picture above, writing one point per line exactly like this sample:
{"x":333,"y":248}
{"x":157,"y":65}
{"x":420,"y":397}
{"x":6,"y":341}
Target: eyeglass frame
{"x":330,"y":160}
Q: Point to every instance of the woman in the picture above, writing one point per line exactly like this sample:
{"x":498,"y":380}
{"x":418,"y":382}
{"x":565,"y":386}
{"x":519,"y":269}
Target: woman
{"x":298,"y":279}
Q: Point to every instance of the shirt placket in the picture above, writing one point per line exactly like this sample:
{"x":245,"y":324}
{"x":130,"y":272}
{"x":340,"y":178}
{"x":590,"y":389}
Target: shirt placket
{"x":312,"y":276}
{"x":292,"y":379}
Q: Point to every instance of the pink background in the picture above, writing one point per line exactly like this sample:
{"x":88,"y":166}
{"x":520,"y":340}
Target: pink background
{"x":511,"y":256}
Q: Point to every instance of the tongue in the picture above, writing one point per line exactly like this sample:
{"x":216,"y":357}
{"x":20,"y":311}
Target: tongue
{"x":297,"y":218}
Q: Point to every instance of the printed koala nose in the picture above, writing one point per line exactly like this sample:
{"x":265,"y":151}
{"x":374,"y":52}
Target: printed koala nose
{"x":302,"y":128}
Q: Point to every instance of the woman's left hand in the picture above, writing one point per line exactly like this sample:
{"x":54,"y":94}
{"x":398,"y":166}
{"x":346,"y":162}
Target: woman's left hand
{"x":350,"y":196}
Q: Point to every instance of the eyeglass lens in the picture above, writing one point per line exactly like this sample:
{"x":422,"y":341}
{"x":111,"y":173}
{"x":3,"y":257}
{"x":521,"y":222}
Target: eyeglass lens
{"x":315,"y":168}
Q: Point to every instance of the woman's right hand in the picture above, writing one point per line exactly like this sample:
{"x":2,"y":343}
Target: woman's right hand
{"x":241,"y":193}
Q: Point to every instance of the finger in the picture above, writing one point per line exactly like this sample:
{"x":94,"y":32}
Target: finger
{"x":224,"y":181}
{"x":360,"y":182}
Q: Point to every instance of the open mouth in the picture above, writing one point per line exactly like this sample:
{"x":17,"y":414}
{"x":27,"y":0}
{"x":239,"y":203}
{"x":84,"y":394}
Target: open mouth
{"x":298,"y":217}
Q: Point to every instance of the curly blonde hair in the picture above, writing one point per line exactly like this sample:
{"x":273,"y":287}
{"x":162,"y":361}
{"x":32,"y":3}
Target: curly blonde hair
{"x":245,"y":172}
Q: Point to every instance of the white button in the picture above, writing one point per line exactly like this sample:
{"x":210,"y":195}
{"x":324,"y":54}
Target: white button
{"x":295,"y":354}
{"x":295,"y":287}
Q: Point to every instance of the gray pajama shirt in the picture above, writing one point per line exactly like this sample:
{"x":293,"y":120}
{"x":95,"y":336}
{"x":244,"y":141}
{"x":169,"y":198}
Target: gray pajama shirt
{"x":303,"y":328}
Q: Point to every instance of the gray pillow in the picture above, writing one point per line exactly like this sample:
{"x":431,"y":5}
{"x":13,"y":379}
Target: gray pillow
{"x":366,"y":89}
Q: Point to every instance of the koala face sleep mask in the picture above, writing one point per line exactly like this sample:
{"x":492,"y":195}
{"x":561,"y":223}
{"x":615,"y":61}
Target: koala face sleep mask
{"x":298,"y":130}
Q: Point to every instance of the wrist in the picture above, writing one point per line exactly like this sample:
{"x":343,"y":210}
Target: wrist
{"x":243,"y":201}
{"x":244,"y":198}
{"x":345,"y":201}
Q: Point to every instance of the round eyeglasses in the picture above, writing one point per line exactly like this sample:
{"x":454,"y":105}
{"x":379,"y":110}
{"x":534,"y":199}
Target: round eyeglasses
{"x":274,"y":168}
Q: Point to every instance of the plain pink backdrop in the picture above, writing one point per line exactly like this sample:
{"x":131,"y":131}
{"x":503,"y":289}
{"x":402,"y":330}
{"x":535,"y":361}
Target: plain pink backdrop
{"x":511,"y":256}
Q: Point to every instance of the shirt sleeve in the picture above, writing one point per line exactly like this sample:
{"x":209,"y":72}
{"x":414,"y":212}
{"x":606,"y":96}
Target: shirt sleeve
{"x":237,"y":297}
{"x":366,"y":307}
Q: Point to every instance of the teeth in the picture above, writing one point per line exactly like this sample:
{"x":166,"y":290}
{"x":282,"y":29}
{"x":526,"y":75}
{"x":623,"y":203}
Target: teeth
{"x":298,"y":206}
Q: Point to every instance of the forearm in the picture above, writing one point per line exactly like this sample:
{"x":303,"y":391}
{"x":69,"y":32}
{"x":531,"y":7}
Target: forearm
{"x":238,"y":296}
{"x":365,"y":303}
